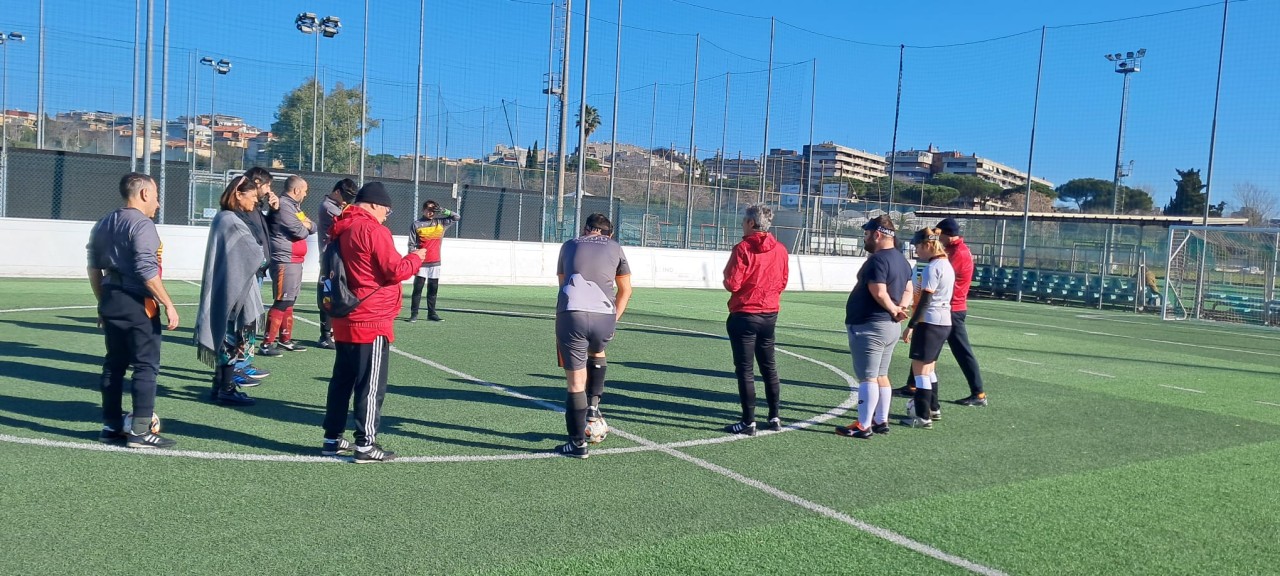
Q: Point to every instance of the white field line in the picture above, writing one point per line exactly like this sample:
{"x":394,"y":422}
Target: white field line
{"x":57,"y":308}
{"x":670,"y":450}
{"x":1029,"y":334}
{"x":643,"y":445}
{"x":1025,"y":361}
{"x":1095,"y":374}
{"x":1186,"y":327}
{"x":1093,"y":333}
{"x":1182,"y":389}
{"x":1267,"y":403}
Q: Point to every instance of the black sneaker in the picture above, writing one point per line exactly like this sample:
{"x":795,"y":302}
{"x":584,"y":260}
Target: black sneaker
{"x":242,"y":380}
{"x":434,"y":317}
{"x":326,"y":342}
{"x":112,"y":436}
{"x":233,"y":397}
{"x":148,"y":440}
{"x":412,"y":318}
{"x":292,"y":345}
{"x":373,"y":453}
{"x":974,"y":400}
{"x":593,"y":413}
{"x":854,"y":430}
{"x":338,"y":447}
{"x":269,"y":350}
{"x":744,"y":428}
{"x":905,"y":391}
{"x":881,"y":428}
{"x":573,"y":450}
{"x":935,"y":415}
{"x":774,"y":425}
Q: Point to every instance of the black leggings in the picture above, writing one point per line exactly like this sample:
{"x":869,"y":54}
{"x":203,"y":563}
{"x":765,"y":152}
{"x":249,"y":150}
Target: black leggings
{"x":752,"y":337}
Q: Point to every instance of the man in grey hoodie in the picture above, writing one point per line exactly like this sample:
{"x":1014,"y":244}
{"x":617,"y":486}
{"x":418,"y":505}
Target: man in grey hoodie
{"x":289,"y":228}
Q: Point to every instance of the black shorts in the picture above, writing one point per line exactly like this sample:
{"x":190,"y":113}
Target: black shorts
{"x":578,"y":333}
{"x":927,"y":341}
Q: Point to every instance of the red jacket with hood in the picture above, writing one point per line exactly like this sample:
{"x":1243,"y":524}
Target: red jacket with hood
{"x":756,"y":274}
{"x":375,"y":270}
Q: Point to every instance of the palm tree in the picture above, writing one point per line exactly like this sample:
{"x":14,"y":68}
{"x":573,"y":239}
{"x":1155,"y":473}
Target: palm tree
{"x":593,"y":120}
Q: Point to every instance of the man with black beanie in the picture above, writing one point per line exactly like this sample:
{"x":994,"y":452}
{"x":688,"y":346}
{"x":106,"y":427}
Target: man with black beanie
{"x":363,"y":338}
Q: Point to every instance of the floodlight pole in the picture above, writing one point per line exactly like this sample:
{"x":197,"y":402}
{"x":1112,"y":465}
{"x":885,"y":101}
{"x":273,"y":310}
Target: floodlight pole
{"x":1208,"y":183}
{"x":613,"y":139}
{"x":364,"y":93}
{"x":1126,"y":65}
{"x":546,"y":131}
{"x":1031,"y":155}
{"x":417,"y":114}
{"x":897,"y":109}
{"x":164,"y":108}
{"x":693,"y":124}
{"x":315,"y":100}
{"x":146,"y":94}
{"x":582,"y":119}
{"x":563,"y":94}
{"x":133,"y":114}
{"x":768,"y":98}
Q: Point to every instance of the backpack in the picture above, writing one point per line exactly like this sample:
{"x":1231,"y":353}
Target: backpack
{"x":334,"y":296}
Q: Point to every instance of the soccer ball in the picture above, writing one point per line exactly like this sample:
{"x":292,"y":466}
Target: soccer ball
{"x":128,"y":423}
{"x":597,"y":430}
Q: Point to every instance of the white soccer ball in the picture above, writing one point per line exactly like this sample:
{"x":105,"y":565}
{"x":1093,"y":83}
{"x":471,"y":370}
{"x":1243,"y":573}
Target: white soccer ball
{"x":597,"y":430}
{"x":128,"y":423}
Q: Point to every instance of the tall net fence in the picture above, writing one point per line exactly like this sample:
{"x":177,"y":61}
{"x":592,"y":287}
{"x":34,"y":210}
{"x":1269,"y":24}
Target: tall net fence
{"x":1223,"y":274}
{"x":693,"y":113}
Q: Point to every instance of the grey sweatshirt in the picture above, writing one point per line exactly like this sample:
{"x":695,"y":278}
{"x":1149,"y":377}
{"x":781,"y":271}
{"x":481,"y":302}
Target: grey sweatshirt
{"x":126,"y":245}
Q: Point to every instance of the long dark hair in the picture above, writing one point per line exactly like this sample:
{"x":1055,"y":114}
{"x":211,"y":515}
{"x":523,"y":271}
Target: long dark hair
{"x":237,"y":185}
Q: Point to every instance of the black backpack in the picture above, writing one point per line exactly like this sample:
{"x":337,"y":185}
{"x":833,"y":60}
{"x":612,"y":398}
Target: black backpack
{"x":334,"y":296}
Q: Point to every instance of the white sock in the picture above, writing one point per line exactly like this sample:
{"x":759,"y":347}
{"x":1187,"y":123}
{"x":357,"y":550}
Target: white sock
{"x":882,"y":407}
{"x":868,"y":397}
{"x":924,"y":383}
{"x":933,"y":377}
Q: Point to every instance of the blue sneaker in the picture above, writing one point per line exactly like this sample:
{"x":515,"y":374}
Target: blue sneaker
{"x":253,"y":372}
{"x":242,"y":381}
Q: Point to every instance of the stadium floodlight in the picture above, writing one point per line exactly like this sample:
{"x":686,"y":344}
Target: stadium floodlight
{"x":1126,"y":63}
{"x":306,"y":22}
{"x":328,"y":27}
{"x":1142,"y":52}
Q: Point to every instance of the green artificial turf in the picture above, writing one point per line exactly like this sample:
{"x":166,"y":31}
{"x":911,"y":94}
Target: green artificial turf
{"x":1114,"y":443}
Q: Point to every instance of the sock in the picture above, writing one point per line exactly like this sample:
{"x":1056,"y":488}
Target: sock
{"x":275,"y":319}
{"x":924,"y":389}
{"x":933,"y":378}
{"x":882,"y":407}
{"x":868,"y":397}
{"x":575,"y":416}
{"x":286,"y":328}
{"x":596,"y":367}
{"x":933,"y":402}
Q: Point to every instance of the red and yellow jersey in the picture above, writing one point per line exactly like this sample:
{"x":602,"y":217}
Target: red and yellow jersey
{"x":428,"y":233}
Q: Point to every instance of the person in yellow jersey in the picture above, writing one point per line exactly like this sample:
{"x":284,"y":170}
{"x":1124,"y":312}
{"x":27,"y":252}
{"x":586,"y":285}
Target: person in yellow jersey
{"x":427,"y":233}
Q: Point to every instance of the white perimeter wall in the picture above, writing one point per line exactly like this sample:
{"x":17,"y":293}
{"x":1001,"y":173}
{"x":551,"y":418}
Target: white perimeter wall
{"x":56,"y":249}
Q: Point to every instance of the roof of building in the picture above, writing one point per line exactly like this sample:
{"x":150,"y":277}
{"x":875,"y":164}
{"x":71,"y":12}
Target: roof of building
{"x":1132,"y":219}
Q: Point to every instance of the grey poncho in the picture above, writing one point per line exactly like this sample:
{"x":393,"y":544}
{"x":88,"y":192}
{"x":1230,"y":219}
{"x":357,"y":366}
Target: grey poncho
{"x":230,"y":298}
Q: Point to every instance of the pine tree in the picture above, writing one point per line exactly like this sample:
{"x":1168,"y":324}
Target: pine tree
{"x":1189,"y":199}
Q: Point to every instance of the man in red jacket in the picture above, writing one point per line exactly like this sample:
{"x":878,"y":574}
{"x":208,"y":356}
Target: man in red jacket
{"x":363,"y":338}
{"x":756,"y":275}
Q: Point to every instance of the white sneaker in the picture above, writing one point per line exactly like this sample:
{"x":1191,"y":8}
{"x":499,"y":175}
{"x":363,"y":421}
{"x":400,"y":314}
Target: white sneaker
{"x":915,"y":422}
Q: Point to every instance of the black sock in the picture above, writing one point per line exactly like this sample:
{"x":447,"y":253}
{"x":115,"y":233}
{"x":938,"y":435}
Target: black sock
{"x":921,"y":400}
{"x":933,"y":398}
{"x":596,"y":368}
{"x":575,"y":416}
{"x":772,"y":388}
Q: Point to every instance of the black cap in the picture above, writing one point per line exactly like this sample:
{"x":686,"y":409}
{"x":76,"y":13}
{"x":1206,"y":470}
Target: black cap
{"x":374,"y":193}
{"x":949,"y":226}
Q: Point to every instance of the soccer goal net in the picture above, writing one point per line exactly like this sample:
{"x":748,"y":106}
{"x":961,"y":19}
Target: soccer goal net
{"x":1226,"y":274}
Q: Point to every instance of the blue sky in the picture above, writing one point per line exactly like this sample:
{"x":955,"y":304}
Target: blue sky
{"x":969,"y":74}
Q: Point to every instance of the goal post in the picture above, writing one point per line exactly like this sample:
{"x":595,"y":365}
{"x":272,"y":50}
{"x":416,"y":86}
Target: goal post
{"x":1222,"y":273}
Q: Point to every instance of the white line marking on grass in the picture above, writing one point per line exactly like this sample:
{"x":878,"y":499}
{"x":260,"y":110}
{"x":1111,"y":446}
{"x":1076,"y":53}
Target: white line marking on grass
{"x":1029,"y":334}
{"x":58,"y":308}
{"x":1025,"y":361}
{"x":1267,"y":403}
{"x":1182,"y":389}
{"x":1091,"y":332}
{"x":831,"y":513}
{"x":644,"y":445}
{"x":1096,"y":374}
{"x":1180,"y":326}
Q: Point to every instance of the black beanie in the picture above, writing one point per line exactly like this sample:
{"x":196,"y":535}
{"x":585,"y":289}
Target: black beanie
{"x":374,"y":193}
{"x":949,"y":226}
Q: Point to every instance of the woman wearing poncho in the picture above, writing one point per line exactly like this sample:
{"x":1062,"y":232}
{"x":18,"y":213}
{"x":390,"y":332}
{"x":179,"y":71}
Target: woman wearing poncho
{"x":230,"y":298}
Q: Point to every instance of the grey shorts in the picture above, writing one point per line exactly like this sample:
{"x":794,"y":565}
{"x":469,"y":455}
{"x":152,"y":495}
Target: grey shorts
{"x":430,"y":271}
{"x":286,"y":281}
{"x":580,"y":332}
{"x":871,"y":346}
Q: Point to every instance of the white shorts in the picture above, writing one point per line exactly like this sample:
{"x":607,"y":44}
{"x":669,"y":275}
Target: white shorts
{"x":429,"y":271}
